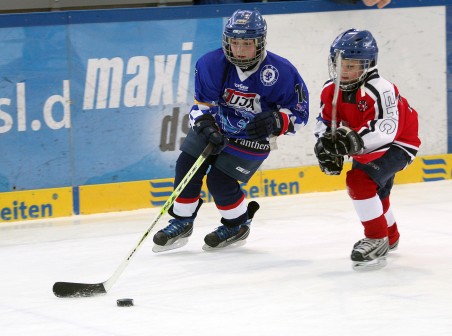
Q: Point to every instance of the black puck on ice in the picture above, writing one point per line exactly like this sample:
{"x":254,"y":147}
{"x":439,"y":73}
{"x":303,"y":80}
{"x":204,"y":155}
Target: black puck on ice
{"x":124,"y":302}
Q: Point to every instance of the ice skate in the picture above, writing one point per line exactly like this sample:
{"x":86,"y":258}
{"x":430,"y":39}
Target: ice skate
{"x":173,"y":236}
{"x":394,"y":237}
{"x":234,"y":236}
{"x":369,"y":254}
{"x":226,"y":236}
{"x":394,"y":246}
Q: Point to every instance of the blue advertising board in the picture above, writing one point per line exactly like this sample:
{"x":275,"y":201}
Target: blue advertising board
{"x":95,"y":103}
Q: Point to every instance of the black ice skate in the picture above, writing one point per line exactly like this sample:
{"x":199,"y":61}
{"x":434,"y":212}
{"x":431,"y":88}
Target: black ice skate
{"x":393,"y":247}
{"x":232,"y":236}
{"x":173,"y":236}
{"x":176,"y":234}
{"x":369,"y":254}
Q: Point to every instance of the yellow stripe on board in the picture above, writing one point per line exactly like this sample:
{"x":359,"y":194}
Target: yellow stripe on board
{"x":50,"y":203}
{"x":114,"y":197}
{"x":35,"y":204}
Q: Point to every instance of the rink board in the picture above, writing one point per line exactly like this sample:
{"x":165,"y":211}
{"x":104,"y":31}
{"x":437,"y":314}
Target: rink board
{"x":59,"y":202}
{"x":35,"y":204}
{"x":268,"y":183}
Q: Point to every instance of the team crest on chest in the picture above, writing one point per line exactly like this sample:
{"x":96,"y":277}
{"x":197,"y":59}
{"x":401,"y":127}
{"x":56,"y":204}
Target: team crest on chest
{"x":269,"y":75}
{"x":362,"y":105}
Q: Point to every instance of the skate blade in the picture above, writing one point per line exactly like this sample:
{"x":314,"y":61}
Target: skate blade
{"x":223,"y":246}
{"x":177,"y":244}
{"x":365,"y":266}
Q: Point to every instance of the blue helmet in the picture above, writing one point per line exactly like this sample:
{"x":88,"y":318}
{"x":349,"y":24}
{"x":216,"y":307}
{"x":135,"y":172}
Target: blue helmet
{"x":356,"y":45}
{"x":247,"y":25}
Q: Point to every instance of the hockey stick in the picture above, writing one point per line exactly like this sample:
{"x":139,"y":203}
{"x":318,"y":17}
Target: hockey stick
{"x":73,"y":289}
{"x":337,"y":82}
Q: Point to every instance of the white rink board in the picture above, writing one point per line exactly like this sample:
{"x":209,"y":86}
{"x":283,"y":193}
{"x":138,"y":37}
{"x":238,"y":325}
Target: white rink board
{"x":412,"y":54}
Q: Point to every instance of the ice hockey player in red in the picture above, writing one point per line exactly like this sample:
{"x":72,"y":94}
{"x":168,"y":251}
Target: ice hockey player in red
{"x":245,"y":96}
{"x":376,"y":127}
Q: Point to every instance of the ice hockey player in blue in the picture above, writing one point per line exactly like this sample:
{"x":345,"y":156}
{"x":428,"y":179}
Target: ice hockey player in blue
{"x":245,"y":97}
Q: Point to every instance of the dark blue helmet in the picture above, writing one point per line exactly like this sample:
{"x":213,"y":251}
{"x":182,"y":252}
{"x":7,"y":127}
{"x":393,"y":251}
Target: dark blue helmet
{"x":247,"y":25}
{"x":357,"y":45}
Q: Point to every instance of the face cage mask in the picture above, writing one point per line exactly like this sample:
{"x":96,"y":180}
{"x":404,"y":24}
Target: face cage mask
{"x":352,"y":84}
{"x":244,"y":63}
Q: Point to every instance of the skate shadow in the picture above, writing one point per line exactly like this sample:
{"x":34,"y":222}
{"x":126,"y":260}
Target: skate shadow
{"x":233,"y":260}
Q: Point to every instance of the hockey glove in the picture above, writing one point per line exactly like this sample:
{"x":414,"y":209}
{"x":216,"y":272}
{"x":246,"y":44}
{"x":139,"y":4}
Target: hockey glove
{"x":348,"y":142}
{"x":329,"y":164}
{"x":206,"y":126}
{"x":268,"y":123}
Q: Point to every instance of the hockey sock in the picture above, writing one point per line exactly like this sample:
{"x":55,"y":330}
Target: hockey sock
{"x":368,"y":206}
{"x":375,"y":228}
{"x":235,"y":213}
{"x":185,"y":207}
{"x":393,"y":232}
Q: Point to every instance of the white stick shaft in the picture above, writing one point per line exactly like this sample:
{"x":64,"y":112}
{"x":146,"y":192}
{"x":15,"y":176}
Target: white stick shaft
{"x":110,"y":282}
{"x":337,"y":81}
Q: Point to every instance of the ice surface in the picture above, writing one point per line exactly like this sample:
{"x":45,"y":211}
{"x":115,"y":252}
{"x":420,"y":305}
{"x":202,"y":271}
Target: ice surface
{"x":293,"y":277}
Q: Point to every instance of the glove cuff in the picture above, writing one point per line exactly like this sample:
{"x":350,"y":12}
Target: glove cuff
{"x":204,"y":121}
{"x":283,"y":120}
{"x":356,"y":143}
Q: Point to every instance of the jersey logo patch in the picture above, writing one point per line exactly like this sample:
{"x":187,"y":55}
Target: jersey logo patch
{"x":269,"y":75}
{"x":362,"y":105}
{"x":242,"y":101}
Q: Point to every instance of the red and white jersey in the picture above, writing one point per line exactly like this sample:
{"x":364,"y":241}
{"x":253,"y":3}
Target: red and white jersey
{"x":376,"y":110}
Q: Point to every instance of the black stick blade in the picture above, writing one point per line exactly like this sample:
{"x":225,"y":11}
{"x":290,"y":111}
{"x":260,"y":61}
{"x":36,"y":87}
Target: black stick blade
{"x":72,"y":289}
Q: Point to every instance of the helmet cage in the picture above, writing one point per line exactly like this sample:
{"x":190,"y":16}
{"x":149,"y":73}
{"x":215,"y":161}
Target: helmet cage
{"x":245,"y":25}
{"x":358,"y":45}
{"x":259,"y":43}
{"x":365,"y":66}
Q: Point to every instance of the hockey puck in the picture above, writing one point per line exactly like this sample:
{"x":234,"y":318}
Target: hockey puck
{"x":124,"y":302}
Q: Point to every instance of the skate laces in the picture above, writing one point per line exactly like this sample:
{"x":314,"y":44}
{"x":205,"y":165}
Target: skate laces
{"x":176,"y":227}
{"x":224,"y":232}
{"x":366,"y":245}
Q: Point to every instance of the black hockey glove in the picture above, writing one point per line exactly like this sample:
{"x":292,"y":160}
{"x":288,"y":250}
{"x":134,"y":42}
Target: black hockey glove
{"x":206,"y":126}
{"x":348,"y":142}
{"x":329,"y":164}
{"x":267,"y":123}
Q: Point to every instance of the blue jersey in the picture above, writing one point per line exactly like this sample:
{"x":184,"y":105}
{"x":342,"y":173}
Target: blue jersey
{"x":234,"y":96}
